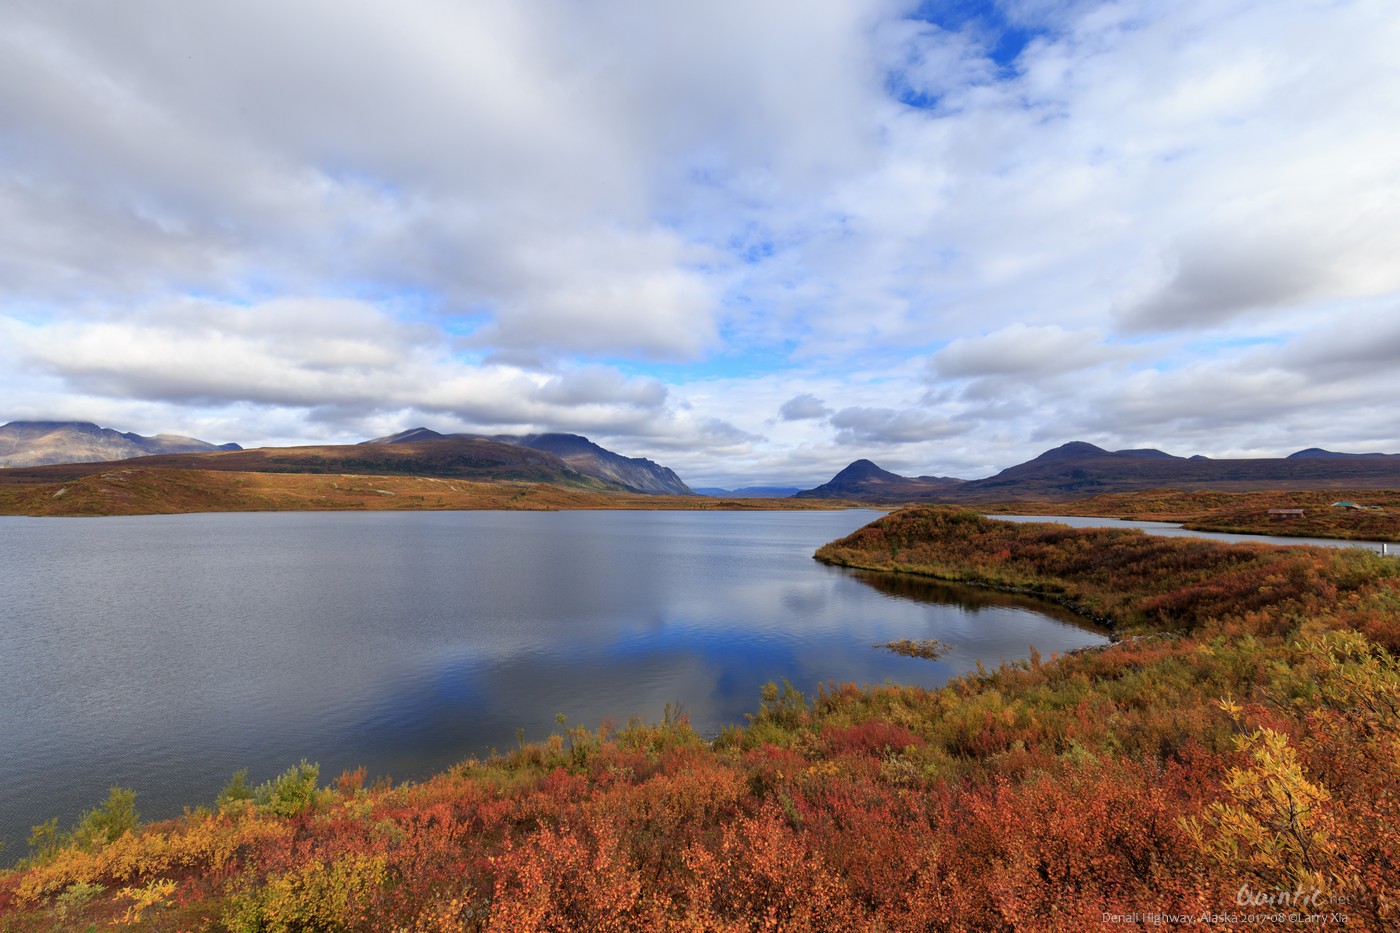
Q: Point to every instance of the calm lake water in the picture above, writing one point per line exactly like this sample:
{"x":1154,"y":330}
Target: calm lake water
{"x":163,"y":653}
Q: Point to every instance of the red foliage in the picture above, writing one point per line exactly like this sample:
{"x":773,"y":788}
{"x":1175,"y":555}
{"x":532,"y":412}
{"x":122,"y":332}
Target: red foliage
{"x":874,"y":737}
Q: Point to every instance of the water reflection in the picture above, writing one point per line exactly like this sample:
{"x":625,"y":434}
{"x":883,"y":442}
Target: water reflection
{"x":164,"y":652}
{"x":970,"y":598}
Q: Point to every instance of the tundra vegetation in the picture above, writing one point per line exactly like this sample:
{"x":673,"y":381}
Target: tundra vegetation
{"x":1238,"y":737}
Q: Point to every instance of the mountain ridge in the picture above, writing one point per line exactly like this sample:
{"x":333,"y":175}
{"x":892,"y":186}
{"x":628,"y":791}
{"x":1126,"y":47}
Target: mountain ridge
{"x":40,"y":443}
{"x":749,"y":492}
{"x":637,"y":474}
{"x":569,"y":460}
{"x":1079,"y":469}
{"x":476,"y":459}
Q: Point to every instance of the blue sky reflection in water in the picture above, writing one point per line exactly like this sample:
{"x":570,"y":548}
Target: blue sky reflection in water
{"x":164,"y":652}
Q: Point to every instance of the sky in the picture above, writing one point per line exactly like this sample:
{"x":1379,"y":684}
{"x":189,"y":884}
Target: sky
{"x":753,"y":240}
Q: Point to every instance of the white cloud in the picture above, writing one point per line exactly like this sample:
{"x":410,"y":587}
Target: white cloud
{"x":1165,"y":219}
{"x":1023,"y":350}
{"x":880,"y":426}
{"x":803,"y":408}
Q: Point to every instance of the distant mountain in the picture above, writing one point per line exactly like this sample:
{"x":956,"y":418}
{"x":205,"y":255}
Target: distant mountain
{"x":749,"y":492}
{"x":588,"y":458}
{"x":477,"y":459}
{"x":1080,"y":469}
{"x":1317,"y":453}
{"x":411,"y":435}
{"x":636,"y":474}
{"x":36,"y":443}
{"x":865,"y":481}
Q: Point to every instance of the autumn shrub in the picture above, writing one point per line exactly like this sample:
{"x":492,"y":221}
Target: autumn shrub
{"x":290,"y":793}
{"x":311,"y":898}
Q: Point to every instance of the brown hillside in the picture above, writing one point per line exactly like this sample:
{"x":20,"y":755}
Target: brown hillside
{"x":128,"y":489}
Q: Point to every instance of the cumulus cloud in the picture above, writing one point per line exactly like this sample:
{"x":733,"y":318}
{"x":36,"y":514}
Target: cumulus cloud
{"x":859,"y":425}
{"x":594,"y":385}
{"x":803,"y":407}
{"x":1213,"y":281}
{"x":1023,"y":350}
{"x":1362,"y":344}
{"x":339,"y":360}
{"x":329,"y":219}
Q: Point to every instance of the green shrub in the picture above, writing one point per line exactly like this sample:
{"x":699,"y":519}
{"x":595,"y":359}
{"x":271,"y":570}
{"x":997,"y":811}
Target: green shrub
{"x":291,"y":793}
{"x":107,"y":823}
{"x":235,"y":790}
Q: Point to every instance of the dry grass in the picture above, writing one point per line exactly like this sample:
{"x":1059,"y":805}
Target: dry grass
{"x":929,"y":648}
{"x":144,"y":491}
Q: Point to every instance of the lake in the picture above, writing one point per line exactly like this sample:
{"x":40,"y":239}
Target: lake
{"x":162,"y":653}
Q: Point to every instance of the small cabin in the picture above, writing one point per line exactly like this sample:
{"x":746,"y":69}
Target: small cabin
{"x":1277,"y":514}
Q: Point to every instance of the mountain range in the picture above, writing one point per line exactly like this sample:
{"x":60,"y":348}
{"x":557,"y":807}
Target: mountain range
{"x":50,"y":451}
{"x":636,"y":474}
{"x":34,"y":443}
{"x":1079,"y":469}
{"x":749,"y":492}
{"x":41,"y":452}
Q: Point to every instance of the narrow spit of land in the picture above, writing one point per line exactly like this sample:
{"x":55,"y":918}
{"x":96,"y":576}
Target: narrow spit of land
{"x":1233,"y":753}
{"x":1364,"y":515}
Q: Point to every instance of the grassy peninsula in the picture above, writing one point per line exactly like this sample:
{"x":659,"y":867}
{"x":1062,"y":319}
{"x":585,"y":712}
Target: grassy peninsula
{"x":1237,"y":742}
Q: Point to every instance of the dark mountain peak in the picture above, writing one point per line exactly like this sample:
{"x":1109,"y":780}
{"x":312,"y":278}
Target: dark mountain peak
{"x":1071,"y":451}
{"x":865,"y":480}
{"x":863,"y":471}
{"x":408,"y":437}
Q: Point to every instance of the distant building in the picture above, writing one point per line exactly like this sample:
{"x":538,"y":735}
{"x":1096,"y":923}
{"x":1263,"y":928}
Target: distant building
{"x":1285,"y":513}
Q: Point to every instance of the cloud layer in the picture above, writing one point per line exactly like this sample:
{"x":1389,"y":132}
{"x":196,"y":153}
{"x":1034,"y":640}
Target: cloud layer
{"x":754,"y":241}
